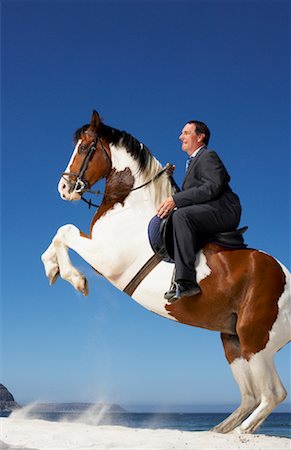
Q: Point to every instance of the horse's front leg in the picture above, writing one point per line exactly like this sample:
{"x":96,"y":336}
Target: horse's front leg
{"x":57,"y":261}
{"x":50,"y":262}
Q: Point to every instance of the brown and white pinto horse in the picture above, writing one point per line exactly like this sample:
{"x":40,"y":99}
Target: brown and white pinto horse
{"x":245,"y":293}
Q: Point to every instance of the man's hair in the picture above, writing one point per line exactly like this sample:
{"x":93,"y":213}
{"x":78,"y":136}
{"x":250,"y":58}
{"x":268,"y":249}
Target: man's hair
{"x":201,"y":128}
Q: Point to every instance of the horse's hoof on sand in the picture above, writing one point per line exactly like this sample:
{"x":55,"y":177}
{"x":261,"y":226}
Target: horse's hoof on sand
{"x":238,"y":431}
{"x":218,"y":430}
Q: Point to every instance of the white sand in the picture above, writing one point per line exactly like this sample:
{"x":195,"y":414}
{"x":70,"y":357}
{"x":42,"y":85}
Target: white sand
{"x":44,"y":435}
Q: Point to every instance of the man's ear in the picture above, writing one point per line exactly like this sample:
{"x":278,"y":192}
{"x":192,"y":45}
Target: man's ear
{"x":201,"y":137}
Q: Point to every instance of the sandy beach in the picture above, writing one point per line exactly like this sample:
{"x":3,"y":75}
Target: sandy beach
{"x":44,"y":435}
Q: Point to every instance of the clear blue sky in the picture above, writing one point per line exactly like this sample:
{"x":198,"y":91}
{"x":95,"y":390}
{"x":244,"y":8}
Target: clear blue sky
{"x":147,"y":67}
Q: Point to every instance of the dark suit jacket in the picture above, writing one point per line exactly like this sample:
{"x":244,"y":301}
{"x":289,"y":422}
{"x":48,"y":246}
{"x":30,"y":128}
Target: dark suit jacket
{"x":207,"y":181}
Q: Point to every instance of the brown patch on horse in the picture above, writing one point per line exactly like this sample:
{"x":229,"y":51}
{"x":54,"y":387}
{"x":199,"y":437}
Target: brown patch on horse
{"x":118,"y":187}
{"x":231,"y":347}
{"x":84,"y":235}
{"x":259,"y":310}
{"x":239,"y":297}
{"x":99,"y":167}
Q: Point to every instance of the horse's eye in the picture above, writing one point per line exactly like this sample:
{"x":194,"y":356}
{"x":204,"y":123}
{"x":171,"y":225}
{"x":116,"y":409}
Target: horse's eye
{"x":82,"y":148}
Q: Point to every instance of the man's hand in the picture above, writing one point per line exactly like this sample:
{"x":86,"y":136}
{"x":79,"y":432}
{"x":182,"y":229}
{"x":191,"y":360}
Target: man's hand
{"x":166,"y":207}
{"x":170,"y":169}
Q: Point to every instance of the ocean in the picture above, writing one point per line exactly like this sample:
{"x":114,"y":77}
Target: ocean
{"x":277,"y":424}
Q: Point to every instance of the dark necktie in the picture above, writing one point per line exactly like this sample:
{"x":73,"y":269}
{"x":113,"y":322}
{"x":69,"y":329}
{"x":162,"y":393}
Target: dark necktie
{"x":188,"y":162}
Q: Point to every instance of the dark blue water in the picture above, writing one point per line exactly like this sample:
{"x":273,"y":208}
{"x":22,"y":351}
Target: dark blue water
{"x":277,"y":424}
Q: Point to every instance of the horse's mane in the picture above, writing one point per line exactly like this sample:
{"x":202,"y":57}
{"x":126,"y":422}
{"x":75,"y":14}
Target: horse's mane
{"x":148,"y":165}
{"x":138,"y":151}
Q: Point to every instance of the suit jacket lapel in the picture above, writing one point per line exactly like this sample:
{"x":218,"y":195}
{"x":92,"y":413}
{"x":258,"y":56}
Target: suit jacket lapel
{"x":193,"y":163}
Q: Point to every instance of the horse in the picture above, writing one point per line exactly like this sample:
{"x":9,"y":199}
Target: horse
{"x":245,"y":293}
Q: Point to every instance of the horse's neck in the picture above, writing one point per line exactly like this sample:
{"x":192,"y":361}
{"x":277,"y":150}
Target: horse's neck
{"x":120,"y":193}
{"x":122,"y":160}
{"x":122,"y":220}
{"x":154,"y":192}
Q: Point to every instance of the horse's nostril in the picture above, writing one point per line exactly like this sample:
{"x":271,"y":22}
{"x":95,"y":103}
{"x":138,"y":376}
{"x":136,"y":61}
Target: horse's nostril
{"x":64,"y":186}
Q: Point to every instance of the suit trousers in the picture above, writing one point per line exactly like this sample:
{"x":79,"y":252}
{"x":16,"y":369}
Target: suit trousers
{"x":188,"y":222}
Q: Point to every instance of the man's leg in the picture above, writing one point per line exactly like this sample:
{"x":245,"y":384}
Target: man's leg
{"x":184,"y":239}
{"x":187,"y":222}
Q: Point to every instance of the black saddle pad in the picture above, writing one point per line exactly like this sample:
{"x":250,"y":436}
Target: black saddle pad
{"x":160,"y":232}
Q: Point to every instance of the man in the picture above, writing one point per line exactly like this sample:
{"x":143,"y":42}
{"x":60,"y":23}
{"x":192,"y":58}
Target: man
{"x":206,"y":204}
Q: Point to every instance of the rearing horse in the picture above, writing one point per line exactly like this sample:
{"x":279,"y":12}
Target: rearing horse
{"x":245,"y":292}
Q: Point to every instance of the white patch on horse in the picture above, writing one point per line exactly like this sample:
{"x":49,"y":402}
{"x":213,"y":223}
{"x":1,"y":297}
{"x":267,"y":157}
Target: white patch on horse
{"x":281,"y":328}
{"x":280,"y":333}
{"x":201,"y":267}
{"x":73,"y":155}
{"x":120,"y":159}
{"x":67,"y":170}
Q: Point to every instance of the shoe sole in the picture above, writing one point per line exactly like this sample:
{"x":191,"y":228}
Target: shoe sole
{"x":186,"y":294}
{"x":168,"y":297}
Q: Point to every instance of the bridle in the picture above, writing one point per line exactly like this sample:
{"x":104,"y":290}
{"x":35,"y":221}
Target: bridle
{"x":81,"y":185}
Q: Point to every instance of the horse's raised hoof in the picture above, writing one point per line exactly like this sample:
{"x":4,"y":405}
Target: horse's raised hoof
{"x":82,"y":286}
{"x":53,"y":276}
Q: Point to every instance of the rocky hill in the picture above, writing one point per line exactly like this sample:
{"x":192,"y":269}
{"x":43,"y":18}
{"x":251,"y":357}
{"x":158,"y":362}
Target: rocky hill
{"x":8,"y":404}
{"x":7,"y":401}
{"x":75,"y":408}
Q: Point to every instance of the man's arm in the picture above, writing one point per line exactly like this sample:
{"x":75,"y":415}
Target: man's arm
{"x":213,"y":177}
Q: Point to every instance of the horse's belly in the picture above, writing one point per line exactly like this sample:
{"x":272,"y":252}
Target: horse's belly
{"x":150,"y":292}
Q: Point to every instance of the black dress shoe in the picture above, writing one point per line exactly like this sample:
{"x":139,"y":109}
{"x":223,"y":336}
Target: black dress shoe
{"x":184,"y":290}
{"x":171,"y":292}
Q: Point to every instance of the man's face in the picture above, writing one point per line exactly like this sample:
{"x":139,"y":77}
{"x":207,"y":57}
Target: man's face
{"x":189,"y":139}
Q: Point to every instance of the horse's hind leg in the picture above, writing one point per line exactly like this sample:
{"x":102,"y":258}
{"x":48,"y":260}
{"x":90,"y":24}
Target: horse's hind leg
{"x":243,"y":376}
{"x":260,"y":339}
{"x":268,"y":383}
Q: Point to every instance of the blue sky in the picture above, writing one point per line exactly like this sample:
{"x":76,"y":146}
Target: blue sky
{"x":147,"y":67}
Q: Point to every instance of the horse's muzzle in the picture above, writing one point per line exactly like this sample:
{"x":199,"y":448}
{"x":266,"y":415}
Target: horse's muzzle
{"x":67,"y":190}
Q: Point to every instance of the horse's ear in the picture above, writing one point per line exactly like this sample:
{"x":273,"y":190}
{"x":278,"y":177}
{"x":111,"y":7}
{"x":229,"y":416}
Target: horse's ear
{"x":95,"y":122}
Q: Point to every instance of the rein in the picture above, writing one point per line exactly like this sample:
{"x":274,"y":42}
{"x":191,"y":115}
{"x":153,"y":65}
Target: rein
{"x":167,"y":168}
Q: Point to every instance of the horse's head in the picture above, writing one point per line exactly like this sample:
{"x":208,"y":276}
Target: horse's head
{"x":90,"y":161}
